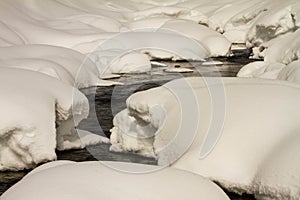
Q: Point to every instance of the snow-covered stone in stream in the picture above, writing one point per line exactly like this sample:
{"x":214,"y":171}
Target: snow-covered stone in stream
{"x":117,"y":61}
{"x":133,"y":62}
{"x":216,"y":44}
{"x":36,"y":118}
{"x":178,"y":70}
{"x":151,"y":123}
{"x":261,"y":69}
{"x":212,"y":63}
{"x":94,"y":180}
{"x":159,"y":64}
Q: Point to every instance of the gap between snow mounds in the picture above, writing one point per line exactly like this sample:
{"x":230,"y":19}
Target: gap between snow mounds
{"x":270,"y":115}
{"x":36,"y":118}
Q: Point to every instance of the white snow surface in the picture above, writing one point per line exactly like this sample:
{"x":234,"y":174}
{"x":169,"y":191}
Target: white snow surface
{"x":49,"y":47}
{"x":263,"y":69}
{"x":238,"y":160}
{"x":94,"y":180}
{"x":36,"y":118}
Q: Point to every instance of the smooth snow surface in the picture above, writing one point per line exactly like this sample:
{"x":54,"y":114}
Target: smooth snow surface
{"x":151,"y":123}
{"x":93,"y":180}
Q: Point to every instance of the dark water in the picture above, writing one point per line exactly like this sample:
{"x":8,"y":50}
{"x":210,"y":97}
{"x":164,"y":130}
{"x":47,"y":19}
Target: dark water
{"x":107,"y":101}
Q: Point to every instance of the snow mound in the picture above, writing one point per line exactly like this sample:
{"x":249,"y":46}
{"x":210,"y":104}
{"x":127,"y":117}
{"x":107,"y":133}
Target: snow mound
{"x":115,"y":61}
{"x":214,"y":42}
{"x":93,"y":180}
{"x":36,"y":118}
{"x":261,"y":69}
{"x":285,"y":49}
{"x":270,"y":114}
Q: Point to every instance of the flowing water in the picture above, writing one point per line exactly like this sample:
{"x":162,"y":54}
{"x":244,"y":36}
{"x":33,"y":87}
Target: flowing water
{"x":107,"y":101}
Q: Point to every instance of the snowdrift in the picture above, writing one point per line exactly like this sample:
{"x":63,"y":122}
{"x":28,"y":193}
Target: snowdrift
{"x":93,"y":180}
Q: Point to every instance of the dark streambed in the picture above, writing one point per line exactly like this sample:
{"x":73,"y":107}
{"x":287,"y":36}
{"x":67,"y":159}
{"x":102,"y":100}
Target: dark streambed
{"x":106,"y":101}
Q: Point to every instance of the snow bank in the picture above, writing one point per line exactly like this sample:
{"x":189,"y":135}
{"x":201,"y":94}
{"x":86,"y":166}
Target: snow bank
{"x":151,"y":123}
{"x":93,"y":180}
{"x":36,"y":118}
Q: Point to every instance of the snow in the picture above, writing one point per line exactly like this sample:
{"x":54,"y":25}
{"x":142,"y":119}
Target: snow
{"x":261,"y":69}
{"x":279,"y":175}
{"x":151,"y":123}
{"x":291,"y":72}
{"x":286,"y":50}
{"x":94,"y":180}
{"x":178,"y":70}
{"x":50,"y":48}
{"x":209,"y":63}
{"x":57,"y":62}
{"x":214,"y":42}
{"x":159,"y":64}
{"x":112,"y":63}
{"x":30,"y":113}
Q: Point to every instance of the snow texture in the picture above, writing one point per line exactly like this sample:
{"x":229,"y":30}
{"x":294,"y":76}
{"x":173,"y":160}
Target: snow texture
{"x":94,"y":180}
{"x":270,"y":114}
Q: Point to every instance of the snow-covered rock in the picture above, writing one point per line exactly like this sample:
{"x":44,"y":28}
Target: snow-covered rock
{"x":285,"y":49}
{"x":93,"y":180}
{"x":261,"y":69}
{"x":152,"y":124}
{"x":36,"y":118}
{"x":214,"y":42}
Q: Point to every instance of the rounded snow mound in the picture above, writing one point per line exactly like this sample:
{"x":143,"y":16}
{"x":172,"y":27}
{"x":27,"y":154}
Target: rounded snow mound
{"x":93,"y":180}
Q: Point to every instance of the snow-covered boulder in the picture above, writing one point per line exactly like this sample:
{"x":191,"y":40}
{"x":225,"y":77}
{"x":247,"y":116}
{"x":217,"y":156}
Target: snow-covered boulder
{"x":285,"y":49}
{"x":93,"y":180}
{"x":152,"y":123}
{"x":261,"y":69}
{"x":37,"y":116}
{"x":214,"y":42}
